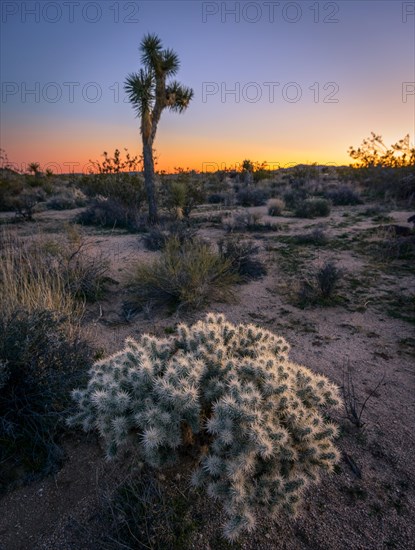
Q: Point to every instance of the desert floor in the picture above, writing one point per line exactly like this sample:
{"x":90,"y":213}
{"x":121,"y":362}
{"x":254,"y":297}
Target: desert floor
{"x":366,"y":332}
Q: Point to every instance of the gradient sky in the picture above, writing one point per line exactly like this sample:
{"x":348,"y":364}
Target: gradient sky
{"x":365,"y":49}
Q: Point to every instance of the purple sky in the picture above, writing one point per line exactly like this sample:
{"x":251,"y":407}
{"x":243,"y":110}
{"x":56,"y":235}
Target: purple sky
{"x":280,"y":82}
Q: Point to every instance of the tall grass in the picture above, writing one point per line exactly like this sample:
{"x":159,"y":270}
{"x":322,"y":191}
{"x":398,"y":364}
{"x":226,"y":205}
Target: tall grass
{"x":49,"y":274}
{"x":188,"y":274}
{"x":29,"y":282}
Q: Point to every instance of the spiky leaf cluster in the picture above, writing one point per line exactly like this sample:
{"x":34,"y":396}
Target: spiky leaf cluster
{"x":231,"y":392}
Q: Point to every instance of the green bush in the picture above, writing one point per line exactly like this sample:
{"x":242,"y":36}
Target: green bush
{"x":216,"y":198}
{"x":227,"y":394}
{"x":252,"y":196}
{"x":294,"y":197}
{"x":124,"y":188}
{"x":344,"y":196}
{"x":42,"y":358}
{"x":43,"y":349}
{"x":312,"y":208}
{"x":113,"y":214}
{"x":10,"y":188}
{"x":190,"y":274}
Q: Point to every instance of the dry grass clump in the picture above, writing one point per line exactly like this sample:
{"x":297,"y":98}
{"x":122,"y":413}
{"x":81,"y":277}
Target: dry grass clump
{"x":51,"y":274}
{"x":276,"y":207}
{"x":29,"y":282}
{"x":316,"y":237}
{"x":189,"y":274}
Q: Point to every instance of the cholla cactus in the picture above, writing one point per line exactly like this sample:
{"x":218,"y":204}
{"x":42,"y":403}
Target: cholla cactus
{"x":230,"y":392}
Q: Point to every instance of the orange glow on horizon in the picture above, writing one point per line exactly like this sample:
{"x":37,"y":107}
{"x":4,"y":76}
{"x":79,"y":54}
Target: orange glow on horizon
{"x":84,"y":165}
{"x":166,"y":161}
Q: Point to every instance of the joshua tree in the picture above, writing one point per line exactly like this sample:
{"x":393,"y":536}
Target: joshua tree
{"x":149,"y":93}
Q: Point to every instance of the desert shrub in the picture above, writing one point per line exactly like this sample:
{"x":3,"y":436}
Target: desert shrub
{"x":252,"y":197}
{"x":42,"y":358}
{"x":320,"y":288}
{"x":393,"y":247}
{"x":312,"y":208}
{"x":294,"y":197}
{"x":276,"y":207}
{"x":316,"y":237}
{"x":246,"y":221}
{"x":344,"y":196}
{"x":328,"y":277}
{"x":228,"y":394}
{"x":157,"y":237}
{"x":386,"y":173}
{"x":182,"y":195}
{"x":144,"y":513}
{"x":10,"y":188}
{"x":242,"y":254}
{"x":377,"y":211}
{"x":112,"y":213}
{"x":67,"y":199}
{"x":84,"y":272}
{"x":127,"y":189}
{"x":216,"y":198}
{"x":189,"y":274}
{"x":42,"y":354}
{"x":26,"y":202}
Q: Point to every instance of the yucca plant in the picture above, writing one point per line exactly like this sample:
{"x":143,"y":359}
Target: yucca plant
{"x":229,"y":393}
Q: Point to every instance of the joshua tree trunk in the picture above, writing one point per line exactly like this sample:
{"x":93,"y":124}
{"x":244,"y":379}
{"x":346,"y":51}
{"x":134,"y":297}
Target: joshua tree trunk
{"x":149,"y":181}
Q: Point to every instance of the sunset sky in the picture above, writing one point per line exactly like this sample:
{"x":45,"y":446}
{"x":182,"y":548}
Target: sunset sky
{"x":281,"y":82}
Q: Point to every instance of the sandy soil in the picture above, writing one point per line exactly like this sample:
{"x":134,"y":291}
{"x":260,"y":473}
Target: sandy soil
{"x":370,"y":502}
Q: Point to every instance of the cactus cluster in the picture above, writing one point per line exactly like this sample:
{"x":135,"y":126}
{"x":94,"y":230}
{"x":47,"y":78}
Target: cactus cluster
{"x":253,"y":418}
